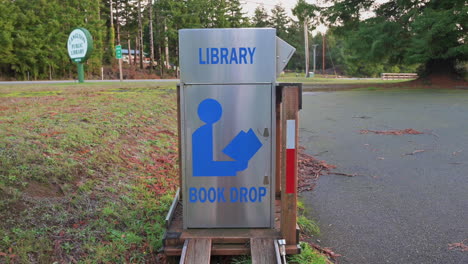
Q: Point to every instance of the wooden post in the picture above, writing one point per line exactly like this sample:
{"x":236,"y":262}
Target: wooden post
{"x":279,"y":149}
{"x":289,"y":146}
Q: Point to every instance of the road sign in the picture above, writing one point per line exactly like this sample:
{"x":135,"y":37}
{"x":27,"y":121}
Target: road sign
{"x":118,"y":51}
{"x":80,"y":47}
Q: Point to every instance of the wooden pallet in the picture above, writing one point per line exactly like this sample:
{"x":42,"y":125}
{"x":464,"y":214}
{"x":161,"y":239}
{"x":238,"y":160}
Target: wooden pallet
{"x":199,"y":251}
{"x":225,"y":241}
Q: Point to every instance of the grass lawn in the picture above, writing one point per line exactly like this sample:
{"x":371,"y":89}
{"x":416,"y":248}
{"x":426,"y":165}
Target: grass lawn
{"x":88,"y":172}
{"x":321,"y":79}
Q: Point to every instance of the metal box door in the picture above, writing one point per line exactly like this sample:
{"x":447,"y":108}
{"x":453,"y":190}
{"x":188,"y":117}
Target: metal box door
{"x":227,"y":144}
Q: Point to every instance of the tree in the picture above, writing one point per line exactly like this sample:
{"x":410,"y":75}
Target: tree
{"x":235,"y":16}
{"x":8,"y":17}
{"x":279,"y":20}
{"x":404,"y":32}
{"x":260,"y":18}
{"x":305,"y":13}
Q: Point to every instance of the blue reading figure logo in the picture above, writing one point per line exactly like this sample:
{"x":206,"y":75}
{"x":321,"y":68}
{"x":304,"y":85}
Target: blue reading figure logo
{"x":242,"y":148}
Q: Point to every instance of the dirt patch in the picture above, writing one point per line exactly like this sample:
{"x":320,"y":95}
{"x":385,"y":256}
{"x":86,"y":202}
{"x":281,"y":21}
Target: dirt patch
{"x":8,"y":204}
{"x":43,"y":190}
{"x":448,"y":81}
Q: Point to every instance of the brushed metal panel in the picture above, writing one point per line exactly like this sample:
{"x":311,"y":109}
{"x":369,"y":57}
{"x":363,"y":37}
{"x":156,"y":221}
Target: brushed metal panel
{"x":244,"y":107}
{"x":284,"y":52}
{"x":195,"y":68}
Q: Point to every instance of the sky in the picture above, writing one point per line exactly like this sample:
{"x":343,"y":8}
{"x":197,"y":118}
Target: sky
{"x":250,"y":5}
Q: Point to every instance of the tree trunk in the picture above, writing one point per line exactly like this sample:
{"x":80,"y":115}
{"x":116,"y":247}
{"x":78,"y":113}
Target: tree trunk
{"x":111,"y":14}
{"x":129,"y":50}
{"x":166,"y":44}
{"x":323,"y":53}
{"x":118,"y":25}
{"x":140,"y":33}
{"x":111,"y":39}
{"x":135,"y":56}
{"x":151,"y":33}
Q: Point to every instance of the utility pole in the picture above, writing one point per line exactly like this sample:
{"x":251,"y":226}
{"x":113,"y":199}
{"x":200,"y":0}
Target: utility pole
{"x":306,"y":48}
{"x":118,"y":43}
{"x":166,"y":48}
{"x":323,"y":53}
{"x":315,"y":47}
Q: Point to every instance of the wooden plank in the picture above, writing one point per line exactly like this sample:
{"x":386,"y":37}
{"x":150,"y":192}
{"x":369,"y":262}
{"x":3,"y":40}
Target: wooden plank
{"x":292,"y":250}
{"x":228,"y":250}
{"x":263,"y":251}
{"x":289,"y":199}
{"x":230,"y":235}
{"x":198,"y":251}
{"x":216,"y":250}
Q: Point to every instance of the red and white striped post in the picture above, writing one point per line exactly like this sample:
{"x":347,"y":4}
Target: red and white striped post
{"x":291,"y":156}
{"x":290,"y":105}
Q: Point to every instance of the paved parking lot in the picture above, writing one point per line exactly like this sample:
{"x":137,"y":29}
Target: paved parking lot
{"x":409,"y":199}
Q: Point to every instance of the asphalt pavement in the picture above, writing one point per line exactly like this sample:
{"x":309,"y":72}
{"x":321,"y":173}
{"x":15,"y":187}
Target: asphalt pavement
{"x":409,"y":198}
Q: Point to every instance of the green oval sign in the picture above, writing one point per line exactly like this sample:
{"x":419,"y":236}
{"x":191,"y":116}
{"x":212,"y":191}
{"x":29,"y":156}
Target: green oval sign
{"x":80,"y":45}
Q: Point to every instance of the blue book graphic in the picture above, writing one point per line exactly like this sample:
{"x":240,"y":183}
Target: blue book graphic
{"x":244,"y":146}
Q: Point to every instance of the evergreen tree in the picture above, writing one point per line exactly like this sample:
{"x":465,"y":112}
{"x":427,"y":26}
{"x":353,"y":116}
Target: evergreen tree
{"x":235,"y":16}
{"x":220,"y":19}
{"x":280,"y":20}
{"x":260,"y":18}
{"x":8,"y":18}
{"x":403,"y":33}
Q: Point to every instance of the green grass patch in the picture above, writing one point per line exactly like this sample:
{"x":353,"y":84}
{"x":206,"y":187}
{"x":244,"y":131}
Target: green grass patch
{"x":308,"y":256}
{"x":321,"y":79}
{"x":308,"y":228}
{"x":242,"y":260}
{"x":30,"y":94}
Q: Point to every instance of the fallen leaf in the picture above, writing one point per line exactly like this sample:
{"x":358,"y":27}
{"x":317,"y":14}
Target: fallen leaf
{"x":458,"y":246}
{"x":415,"y":152}
{"x":408,"y":131}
